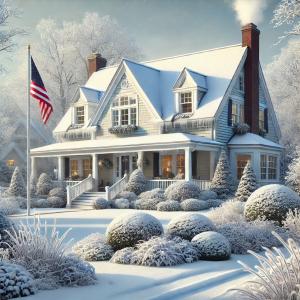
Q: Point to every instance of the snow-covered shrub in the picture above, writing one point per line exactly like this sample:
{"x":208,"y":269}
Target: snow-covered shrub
{"x":57,"y":202}
{"x":147,"y":204}
{"x":137,"y":182}
{"x":44,"y":184}
{"x":188,"y":225}
{"x":93,"y":248}
{"x":121,"y":203}
{"x":212,"y":245}
{"x":276,"y":276}
{"x":293,"y":174}
{"x":207,"y":194}
{"x":193,"y":205}
{"x":271,"y":202}
{"x":127,"y":230}
{"x":127,"y":195}
{"x":101,"y":203}
{"x":9,"y":206}
{"x":17,"y":184}
{"x":5,"y":225}
{"x":212,"y":203}
{"x":169,"y":205}
{"x":15,"y":281}
{"x":32,"y":186}
{"x":123,"y":256}
{"x":229,"y":212}
{"x":153,"y":194}
{"x":247,"y":184}
{"x":180,"y":191}
{"x":292,"y":224}
{"x":41,"y":203}
{"x":5,"y":172}
{"x":58,"y":192}
{"x":222,"y":182}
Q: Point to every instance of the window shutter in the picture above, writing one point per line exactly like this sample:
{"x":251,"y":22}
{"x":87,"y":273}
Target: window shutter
{"x":266,"y":120}
{"x":155,"y":164}
{"x":67,"y":167}
{"x":229,"y":112}
{"x":194,"y":164}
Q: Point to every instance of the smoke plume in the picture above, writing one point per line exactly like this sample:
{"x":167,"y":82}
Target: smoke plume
{"x":249,"y":11}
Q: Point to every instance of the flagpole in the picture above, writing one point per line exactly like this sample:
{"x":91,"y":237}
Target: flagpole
{"x":28,"y":131}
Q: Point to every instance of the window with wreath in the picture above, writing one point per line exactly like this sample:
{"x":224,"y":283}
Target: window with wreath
{"x":124,"y":111}
{"x":186,"y":102}
{"x":268,"y":167}
{"x":80,"y":115}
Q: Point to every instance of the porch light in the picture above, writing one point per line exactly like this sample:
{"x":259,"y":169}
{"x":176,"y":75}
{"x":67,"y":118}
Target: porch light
{"x":55,"y":173}
{"x":100,"y":163}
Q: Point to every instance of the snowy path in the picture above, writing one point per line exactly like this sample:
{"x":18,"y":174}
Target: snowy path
{"x":200,"y":280}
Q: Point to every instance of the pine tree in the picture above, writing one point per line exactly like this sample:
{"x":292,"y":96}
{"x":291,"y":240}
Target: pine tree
{"x":17,"y":184}
{"x":222,"y":182}
{"x":247,"y":184}
{"x":44,"y":184}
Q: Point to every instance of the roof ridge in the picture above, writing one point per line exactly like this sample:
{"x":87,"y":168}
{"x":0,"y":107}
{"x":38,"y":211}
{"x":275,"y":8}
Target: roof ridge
{"x":140,"y":64}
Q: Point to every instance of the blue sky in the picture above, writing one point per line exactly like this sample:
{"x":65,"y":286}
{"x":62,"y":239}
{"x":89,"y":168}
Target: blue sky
{"x":160,"y":27}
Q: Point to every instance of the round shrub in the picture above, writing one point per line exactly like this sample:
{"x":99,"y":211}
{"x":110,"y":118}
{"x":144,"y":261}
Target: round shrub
{"x":126,"y":230}
{"x":212,"y":203}
{"x":193,"y":205}
{"x":137,"y":182}
{"x":123,"y":256}
{"x":212,"y":246}
{"x":93,"y":248}
{"x":207,"y":194}
{"x":271,"y":202}
{"x":101,"y":203}
{"x":42,"y":203}
{"x":147,"y":204}
{"x":15,"y":281}
{"x":180,"y":191}
{"x":169,"y":205}
{"x":153,"y":194}
{"x":188,"y":225}
{"x":56,"y":202}
{"x":122,"y":203}
{"x":58,"y":192}
{"x":130,"y":196}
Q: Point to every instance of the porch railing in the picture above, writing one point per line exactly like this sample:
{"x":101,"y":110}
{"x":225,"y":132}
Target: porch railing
{"x":74,"y":191}
{"x":66,"y":182}
{"x":116,"y":188}
{"x":164,"y":183}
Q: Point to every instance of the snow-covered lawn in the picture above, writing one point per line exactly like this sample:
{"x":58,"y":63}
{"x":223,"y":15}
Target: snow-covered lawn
{"x":200,"y":280}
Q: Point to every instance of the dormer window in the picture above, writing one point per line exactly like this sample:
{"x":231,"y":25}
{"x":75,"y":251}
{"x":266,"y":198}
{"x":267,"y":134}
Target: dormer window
{"x":80,"y":115}
{"x":124,"y":111}
{"x":186,"y":102}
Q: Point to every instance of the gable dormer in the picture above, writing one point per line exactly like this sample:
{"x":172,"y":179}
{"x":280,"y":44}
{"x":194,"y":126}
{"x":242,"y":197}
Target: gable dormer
{"x":189,"y":90}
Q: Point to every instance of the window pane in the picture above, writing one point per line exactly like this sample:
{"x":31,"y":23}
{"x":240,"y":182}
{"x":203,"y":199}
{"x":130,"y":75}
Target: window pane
{"x":272,"y":167}
{"x":123,"y":101}
{"x":186,"y":102}
{"x":74,"y":169}
{"x":134,"y":162}
{"x":234,"y":113}
{"x":118,"y":167}
{"x":167,"y":166}
{"x":261,"y":119}
{"x":242,"y":114}
{"x":87,"y":167}
{"x":80,"y":115}
{"x":132,"y":101}
{"x":263,"y":166}
{"x":133,"y":116}
{"x":241,"y":162}
{"x":124,"y":116}
{"x":115,"y":117}
{"x":180,"y":165}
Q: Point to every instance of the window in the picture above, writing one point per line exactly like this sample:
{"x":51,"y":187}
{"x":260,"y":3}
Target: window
{"x":241,"y":162}
{"x":268,"y":167}
{"x":180,"y":165}
{"x":234,"y":114}
{"x":167,"y":166}
{"x":241,"y":83}
{"x":115,"y":118}
{"x":186,"y":102}
{"x":74,"y":169}
{"x":124,"y":111}
{"x":87,"y":167}
{"x":237,"y":113}
{"x":242,"y":113}
{"x":80,"y":115}
{"x":261,"y":119}
{"x":124,"y":116}
{"x":10,"y":163}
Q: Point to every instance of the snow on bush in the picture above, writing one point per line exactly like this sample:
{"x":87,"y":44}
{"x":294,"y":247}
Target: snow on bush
{"x":207,"y":194}
{"x":123,"y":256}
{"x":32,"y":186}
{"x":56,"y":202}
{"x":240,"y":128}
{"x":212,"y":246}
{"x":6,"y":225}
{"x":293,"y":174}
{"x":229,"y":212}
{"x":247,"y":184}
{"x":153,"y":194}
{"x":101,"y":203}
{"x":193,"y":205}
{"x":44,"y":184}
{"x":180,"y":191}
{"x":93,"y":248}
{"x":9,"y":206}
{"x":292,"y":224}
{"x":127,"y":195}
{"x":126,"y":230}
{"x":17,"y":184}
{"x":169,"y":205}
{"x":15,"y":281}
{"x":58,"y":192}
{"x":188,"y":225}
{"x":5,"y":172}
{"x":147,"y":204}
{"x":40,"y":203}
{"x":212,"y":203}
{"x":137,"y":182}
{"x":121,"y":203}
{"x":271,"y":202}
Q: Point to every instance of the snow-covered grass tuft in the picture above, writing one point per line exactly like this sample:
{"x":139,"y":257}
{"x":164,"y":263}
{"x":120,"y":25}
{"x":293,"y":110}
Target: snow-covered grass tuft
{"x":123,"y":256}
{"x":169,"y":205}
{"x":9,"y":206}
{"x":292,"y":224}
{"x":193,"y":205}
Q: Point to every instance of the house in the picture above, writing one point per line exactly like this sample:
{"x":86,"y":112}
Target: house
{"x":173,"y":116}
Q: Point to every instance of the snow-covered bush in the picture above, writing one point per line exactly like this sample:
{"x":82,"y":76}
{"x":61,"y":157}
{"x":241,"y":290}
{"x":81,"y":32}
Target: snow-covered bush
{"x":293,"y":174}
{"x":44,"y":184}
{"x":57,"y":202}
{"x":121,"y":203}
{"x":153,"y":194}
{"x":137,"y":182}
{"x":123,"y":256}
{"x":147,"y":204}
{"x":17,"y":184}
{"x":41,"y":203}
{"x":180,"y":191}
{"x":271,"y":202}
{"x":247,"y":184}
{"x":207,"y":194}
{"x":212,"y":203}
{"x":169,"y":205}
{"x":276,"y":276}
{"x":127,"y":195}
{"x":5,"y":172}
{"x":229,"y":212}
{"x":127,"y":230}
{"x":222,"y":182}
{"x":9,"y":206}
{"x":15,"y":281}
{"x":188,"y":225}
{"x":93,"y":248}
{"x":58,"y":192}
{"x":5,"y":225}
{"x":193,"y":205}
{"x":32,"y":186}
{"x":101,"y":203}
{"x":212,"y":245}
{"x":292,"y":224}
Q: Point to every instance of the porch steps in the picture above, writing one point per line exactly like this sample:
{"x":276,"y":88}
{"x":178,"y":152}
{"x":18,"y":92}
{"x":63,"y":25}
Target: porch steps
{"x":86,"y":200}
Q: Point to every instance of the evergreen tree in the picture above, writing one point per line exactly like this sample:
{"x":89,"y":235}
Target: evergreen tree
{"x":5,"y":172}
{"x":17,"y":184}
{"x":247,"y":184}
{"x":137,"y":182}
{"x":44,"y":184}
{"x":222,"y":182}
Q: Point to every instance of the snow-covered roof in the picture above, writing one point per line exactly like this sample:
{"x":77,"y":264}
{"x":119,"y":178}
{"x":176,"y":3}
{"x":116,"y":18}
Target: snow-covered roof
{"x":90,"y":95}
{"x":251,"y":139}
{"x":157,"y":77}
{"x":199,"y":79}
{"x":113,"y":143}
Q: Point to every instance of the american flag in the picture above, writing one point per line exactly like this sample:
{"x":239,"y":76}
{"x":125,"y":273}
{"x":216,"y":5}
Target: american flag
{"x":39,"y":92}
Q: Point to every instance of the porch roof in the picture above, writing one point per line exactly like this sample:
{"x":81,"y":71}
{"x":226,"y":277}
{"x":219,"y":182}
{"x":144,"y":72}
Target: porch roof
{"x":137,"y":143}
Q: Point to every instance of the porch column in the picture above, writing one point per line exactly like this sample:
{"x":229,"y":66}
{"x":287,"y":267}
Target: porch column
{"x":140,"y":160}
{"x":61,"y":168}
{"x":95,"y":171}
{"x":33,"y":169}
{"x":188,"y":164}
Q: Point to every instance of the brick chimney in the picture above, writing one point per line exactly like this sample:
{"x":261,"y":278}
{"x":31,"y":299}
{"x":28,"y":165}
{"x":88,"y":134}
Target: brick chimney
{"x":95,"y":63}
{"x":250,"y":39}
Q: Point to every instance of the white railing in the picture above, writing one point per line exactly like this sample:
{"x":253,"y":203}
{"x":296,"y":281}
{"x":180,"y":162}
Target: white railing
{"x":164,"y":183}
{"x":79,"y":188}
{"x":116,"y":188}
{"x":66,"y":182}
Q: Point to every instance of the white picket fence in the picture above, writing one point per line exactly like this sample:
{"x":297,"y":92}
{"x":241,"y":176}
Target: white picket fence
{"x":164,"y":183}
{"x":116,"y":188}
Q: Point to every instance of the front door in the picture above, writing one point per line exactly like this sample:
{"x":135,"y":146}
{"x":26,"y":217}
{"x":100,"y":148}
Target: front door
{"x":124,"y":164}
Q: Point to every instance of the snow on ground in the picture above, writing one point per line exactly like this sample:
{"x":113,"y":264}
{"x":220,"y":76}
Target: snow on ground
{"x":200,"y":280}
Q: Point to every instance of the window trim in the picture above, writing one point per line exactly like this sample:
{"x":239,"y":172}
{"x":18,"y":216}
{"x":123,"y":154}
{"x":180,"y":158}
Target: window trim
{"x":191,"y":101}
{"x":240,"y":118}
{"x":268,"y":154}
{"x":83,"y":114}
